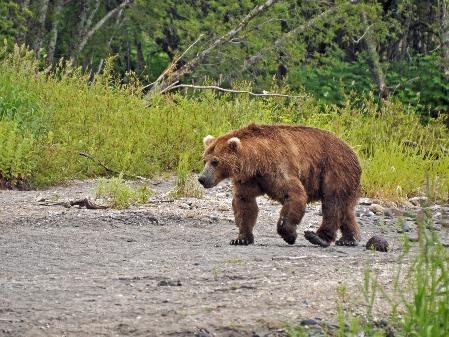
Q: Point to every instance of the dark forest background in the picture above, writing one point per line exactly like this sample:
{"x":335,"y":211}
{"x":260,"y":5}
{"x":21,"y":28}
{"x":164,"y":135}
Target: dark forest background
{"x":329,"y":48}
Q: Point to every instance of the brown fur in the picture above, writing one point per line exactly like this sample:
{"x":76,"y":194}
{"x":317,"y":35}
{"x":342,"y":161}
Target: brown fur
{"x":293,"y":165}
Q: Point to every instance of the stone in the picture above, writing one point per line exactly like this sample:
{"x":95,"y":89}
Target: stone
{"x":443,"y":222}
{"x":419,"y":201}
{"x":376,"y":209}
{"x":406,"y":227}
{"x":308,"y":322}
{"x":365,"y":201}
{"x":378,"y":243}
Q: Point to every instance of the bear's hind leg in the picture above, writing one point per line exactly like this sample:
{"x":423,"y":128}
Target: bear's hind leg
{"x":245,"y":213}
{"x":327,"y":232}
{"x":292,"y":212}
{"x":350,"y":230}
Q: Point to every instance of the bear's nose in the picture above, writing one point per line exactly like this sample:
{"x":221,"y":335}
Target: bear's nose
{"x":201,"y":180}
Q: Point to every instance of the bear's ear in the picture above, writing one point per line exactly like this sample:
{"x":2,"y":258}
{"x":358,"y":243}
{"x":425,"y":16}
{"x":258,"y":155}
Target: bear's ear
{"x":208,"y":140}
{"x":234,"y":143}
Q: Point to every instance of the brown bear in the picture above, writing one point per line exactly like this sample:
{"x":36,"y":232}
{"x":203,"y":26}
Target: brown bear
{"x":293,"y":165}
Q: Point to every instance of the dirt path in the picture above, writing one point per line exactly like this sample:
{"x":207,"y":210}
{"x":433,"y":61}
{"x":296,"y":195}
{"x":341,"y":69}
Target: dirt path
{"x":166,"y":269}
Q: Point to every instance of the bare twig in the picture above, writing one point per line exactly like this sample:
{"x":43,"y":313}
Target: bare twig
{"x":363,"y":35}
{"x":99,"y":163}
{"x":214,"y":87}
{"x":109,"y":170}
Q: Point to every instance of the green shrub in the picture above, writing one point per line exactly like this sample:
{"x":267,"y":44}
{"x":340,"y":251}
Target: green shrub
{"x":58,"y":114}
{"x":119,"y":194}
{"x":17,"y":152}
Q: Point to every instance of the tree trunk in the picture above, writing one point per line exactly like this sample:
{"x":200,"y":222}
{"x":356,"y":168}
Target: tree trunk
{"x":445,"y":36}
{"x":54,"y":31}
{"x":40,"y":26}
{"x":90,"y":31}
{"x":373,"y":56}
{"x":140,"y":56}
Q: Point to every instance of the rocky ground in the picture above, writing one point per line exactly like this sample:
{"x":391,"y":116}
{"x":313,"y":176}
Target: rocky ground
{"x":166,"y":268}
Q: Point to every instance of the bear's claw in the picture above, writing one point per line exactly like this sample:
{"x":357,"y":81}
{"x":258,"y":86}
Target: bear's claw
{"x":346,"y":242}
{"x":240,"y":242}
{"x":313,"y":238}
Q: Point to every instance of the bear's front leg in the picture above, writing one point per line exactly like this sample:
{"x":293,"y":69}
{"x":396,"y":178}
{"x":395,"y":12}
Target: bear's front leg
{"x":292,"y":212}
{"x":245,"y":213}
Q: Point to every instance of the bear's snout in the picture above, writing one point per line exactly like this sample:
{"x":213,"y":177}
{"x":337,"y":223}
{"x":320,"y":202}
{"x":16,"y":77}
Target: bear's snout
{"x":201,"y":180}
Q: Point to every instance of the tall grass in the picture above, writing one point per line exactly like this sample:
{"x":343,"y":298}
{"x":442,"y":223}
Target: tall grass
{"x":418,"y":298}
{"x":57,"y":114}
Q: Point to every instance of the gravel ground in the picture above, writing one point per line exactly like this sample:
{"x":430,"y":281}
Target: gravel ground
{"x":166,"y":268}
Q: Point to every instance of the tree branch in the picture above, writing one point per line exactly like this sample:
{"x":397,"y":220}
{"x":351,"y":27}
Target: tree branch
{"x":187,"y":68}
{"x":173,"y":64}
{"x":100,"y":23}
{"x":254,"y":59}
{"x":214,"y":87}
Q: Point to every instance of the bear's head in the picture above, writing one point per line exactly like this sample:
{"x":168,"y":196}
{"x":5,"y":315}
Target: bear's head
{"x":220,"y":159}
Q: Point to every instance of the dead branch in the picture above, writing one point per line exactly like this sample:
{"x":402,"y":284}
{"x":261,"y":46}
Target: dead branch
{"x":188,"y":67}
{"x":85,"y":202}
{"x":363,"y":35}
{"x":254,"y":59}
{"x":100,"y":23}
{"x":172,"y":65}
{"x":214,"y":87}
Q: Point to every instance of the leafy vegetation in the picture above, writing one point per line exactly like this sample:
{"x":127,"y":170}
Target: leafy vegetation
{"x":119,"y":194}
{"x":47,"y":120}
{"x":329,"y":47}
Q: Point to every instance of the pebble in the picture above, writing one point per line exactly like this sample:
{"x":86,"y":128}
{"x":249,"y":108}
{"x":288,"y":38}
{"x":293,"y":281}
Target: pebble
{"x":223,"y":207}
{"x":365,"y":201}
{"x":213,"y":217}
{"x":376,"y":209}
{"x":406,"y":227}
{"x":308,"y":322}
{"x":419,"y":201}
{"x":443,"y":222}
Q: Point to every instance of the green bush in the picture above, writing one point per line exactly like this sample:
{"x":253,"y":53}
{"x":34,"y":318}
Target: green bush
{"x":119,"y":194}
{"x":57,"y":114}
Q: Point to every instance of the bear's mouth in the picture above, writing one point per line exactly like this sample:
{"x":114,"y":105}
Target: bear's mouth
{"x":206,"y":183}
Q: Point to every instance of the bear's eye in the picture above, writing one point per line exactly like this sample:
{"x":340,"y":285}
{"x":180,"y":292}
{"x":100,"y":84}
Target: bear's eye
{"x":214,"y":162}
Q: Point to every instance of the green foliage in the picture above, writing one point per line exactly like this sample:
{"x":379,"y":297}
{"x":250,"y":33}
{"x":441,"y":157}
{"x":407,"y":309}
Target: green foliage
{"x":186,"y":183}
{"x":58,"y":116}
{"x":17,"y":152}
{"x":119,"y":194}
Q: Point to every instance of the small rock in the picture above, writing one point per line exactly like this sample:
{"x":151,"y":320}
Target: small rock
{"x":223,"y":207}
{"x":308,"y":322}
{"x":406,"y":227}
{"x":169,"y":283}
{"x":213,"y":217}
{"x":202,"y":333}
{"x":437,"y":215}
{"x":365,"y":201}
{"x":443,"y":222}
{"x":184,"y":206}
{"x":419,"y":201}
{"x":378,"y":243}
{"x":376,"y":209}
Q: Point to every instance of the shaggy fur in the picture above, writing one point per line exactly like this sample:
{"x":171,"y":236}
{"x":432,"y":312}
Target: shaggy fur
{"x":293,"y":165}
